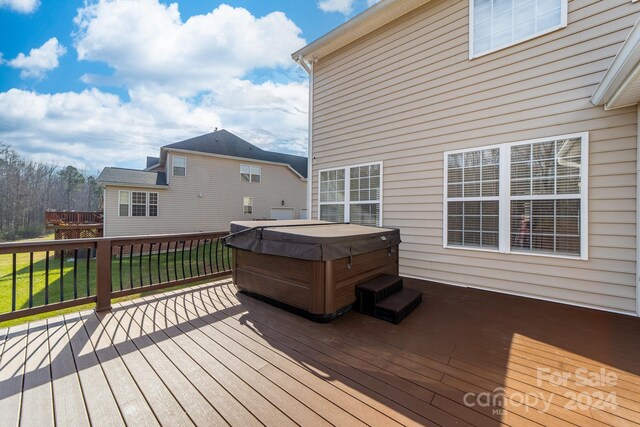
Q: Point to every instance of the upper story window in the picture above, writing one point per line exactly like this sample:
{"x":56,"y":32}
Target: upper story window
{"x":496,"y":24}
{"x":521,"y":197}
{"x":179,"y":166}
{"x":352,"y":194}
{"x":123,"y":203}
{"x":250,"y":173}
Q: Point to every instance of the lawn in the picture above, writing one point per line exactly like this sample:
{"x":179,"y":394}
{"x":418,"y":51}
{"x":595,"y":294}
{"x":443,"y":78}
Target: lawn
{"x":79,"y":276}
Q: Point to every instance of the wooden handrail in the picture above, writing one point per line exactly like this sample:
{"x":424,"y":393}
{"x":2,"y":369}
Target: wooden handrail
{"x":56,"y":218}
{"x":100,"y":269}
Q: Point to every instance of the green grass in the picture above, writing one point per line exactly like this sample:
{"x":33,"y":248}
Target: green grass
{"x":135,"y":274}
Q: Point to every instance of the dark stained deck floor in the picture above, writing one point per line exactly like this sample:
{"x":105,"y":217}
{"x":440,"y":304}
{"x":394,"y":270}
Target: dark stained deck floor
{"x":207,"y":356}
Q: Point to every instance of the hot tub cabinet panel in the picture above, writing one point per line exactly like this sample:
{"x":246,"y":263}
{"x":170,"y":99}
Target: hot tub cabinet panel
{"x":322,"y":288}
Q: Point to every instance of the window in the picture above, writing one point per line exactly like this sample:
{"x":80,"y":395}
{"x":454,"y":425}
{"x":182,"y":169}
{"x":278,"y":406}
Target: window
{"x":153,"y":204}
{"x":250,"y":173}
{"x":138,"y":203}
{"x":496,"y":24}
{"x":123,"y":203}
{"x":352,"y":194}
{"x":179,"y":166}
{"x":247,"y":205}
{"x":526,"y":197}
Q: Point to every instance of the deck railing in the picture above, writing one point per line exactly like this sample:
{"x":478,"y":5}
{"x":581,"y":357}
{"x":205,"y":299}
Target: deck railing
{"x":37,"y":277}
{"x":52,"y":219}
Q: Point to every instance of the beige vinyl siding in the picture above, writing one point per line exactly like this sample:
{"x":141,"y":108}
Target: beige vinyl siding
{"x":407,"y":93}
{"x":181,"y":210}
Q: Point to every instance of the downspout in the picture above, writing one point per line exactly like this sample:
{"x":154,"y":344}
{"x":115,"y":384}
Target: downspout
{"x":309,"y":69}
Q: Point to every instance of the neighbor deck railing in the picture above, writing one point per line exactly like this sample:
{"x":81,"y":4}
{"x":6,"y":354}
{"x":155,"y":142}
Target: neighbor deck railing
{"x":53,"y":219}
{"x":37,"y":277}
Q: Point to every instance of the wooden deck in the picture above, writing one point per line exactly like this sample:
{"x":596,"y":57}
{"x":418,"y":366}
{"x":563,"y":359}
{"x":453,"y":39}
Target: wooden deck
{"x":207,"y":356}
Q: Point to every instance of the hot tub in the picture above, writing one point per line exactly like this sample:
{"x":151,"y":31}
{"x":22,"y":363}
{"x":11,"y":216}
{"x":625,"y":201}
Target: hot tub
{"x":312,"y":266}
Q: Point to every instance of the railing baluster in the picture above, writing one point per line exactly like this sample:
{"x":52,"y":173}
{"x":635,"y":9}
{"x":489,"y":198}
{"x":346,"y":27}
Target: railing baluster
{"x":217,"y":265}
{"x":167,"y":261}
{"x":190,"y":264}
{"x":75,"y":274}
{"x":131,"y":267}
{"x":150,"y":269}
{"x":184,"y":242}
{"x":62,"y":275}
{"x":13,"y":284}
{"x":120,"y":266}
{"x":210,"y":254}
{"x":46,"y":279}
{"x":30,"y":279}
{"x":197,"y":257}
{"x":159,"y":252}
{"x":223,"y":258}
{"x":175,"y":260}
{"x":140,"y":263}
{"x":87,"y":273}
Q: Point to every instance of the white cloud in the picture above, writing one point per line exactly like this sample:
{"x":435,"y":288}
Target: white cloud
{"x":372,"y":2}
{"x":162,"y":52}
{"x":39,"y":60}
{"x":183,"y":79}
{"x":343,"y":6}
{"x":21,"y":6}
{"x":96,"y":129}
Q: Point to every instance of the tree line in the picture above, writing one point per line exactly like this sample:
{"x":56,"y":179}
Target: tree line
{"x":28,"y":188}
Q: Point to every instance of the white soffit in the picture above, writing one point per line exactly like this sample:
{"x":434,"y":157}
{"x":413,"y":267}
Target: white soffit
{"x":620,"y":86}
{"x":359,"y":26}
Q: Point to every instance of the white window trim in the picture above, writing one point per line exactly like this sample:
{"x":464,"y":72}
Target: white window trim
{"x":563,"y":23}
{"x":504,"y":223}
{"x":157,"y":204}
{"x":347,"y":190}
{"x":146,"y":204}
{"x":250,"y":205}
{"x":129,"y":202}
{"x":173,"y":166}
{"x":251,"y":168}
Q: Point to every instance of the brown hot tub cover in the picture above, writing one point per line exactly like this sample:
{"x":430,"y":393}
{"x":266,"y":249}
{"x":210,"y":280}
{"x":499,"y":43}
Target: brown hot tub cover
{"x":310,"y":240}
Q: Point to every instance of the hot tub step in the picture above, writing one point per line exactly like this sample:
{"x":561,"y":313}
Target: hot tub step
{"x":398,"y":306}
{"x":375,"y":290}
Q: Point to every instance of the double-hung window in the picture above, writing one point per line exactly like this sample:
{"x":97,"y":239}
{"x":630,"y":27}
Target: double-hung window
{"x":179,"y":166}
{"x":352,"y":194}
{"x":247,"y":205}
{"x":250,"y":173}
{"x":123,"y":203}
{"x":496,"y":24}
{"x":525,"y":197}
{"x":138,"y":203}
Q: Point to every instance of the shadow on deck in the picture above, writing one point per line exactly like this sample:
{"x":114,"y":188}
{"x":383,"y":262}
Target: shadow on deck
{"x":209,"y":356}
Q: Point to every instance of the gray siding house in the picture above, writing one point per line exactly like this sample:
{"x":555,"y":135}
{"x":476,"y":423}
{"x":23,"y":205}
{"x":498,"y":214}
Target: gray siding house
{"x":202,"y":184}
{"x":500,"y":136}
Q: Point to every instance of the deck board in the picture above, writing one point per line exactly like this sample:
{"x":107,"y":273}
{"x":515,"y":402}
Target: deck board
{"x":207,"y":355}
{"x":69,"y":406}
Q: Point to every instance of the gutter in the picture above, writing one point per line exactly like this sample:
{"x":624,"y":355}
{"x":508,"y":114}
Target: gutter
{"x":621,"y":68}
{"x":309,"y":69}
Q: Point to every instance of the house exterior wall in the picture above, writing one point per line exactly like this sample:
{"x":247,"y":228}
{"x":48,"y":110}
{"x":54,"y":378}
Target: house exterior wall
{"x":407,"y":93}
{"x":181,"y":210}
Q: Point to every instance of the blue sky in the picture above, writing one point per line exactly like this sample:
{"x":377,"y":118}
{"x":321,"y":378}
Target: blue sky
{"x":107,"y":82}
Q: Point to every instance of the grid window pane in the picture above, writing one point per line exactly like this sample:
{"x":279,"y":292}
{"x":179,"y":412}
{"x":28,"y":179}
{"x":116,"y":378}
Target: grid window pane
{"x":332,"y":213}
{"x":364,"y":214}
{"x":473,"y":224}
{"x":500,"y":22}
{"x":332,"y":186}
{"x":153,"y":204}
{"x":138,"y":203}
{"x":551,"y":226}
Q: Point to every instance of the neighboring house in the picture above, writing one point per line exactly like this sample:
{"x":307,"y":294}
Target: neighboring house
{"x":202,"y":184}
{"x":480,"y":136}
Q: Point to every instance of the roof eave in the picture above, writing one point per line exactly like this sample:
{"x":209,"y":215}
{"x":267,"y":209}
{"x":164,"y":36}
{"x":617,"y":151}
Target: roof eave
{"x":624,"y":66}
{"x":135,"y":185}
{"x":359,"y":26}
